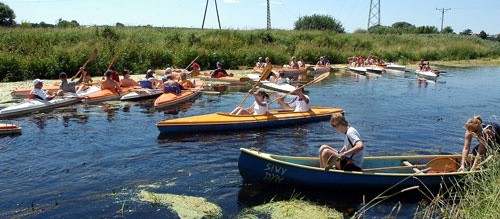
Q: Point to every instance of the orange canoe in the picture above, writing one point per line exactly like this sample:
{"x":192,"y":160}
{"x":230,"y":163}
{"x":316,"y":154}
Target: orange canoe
{"x":230,"y":80}
{"x":106,"y":95}
{"x":22,"y":93}
{"x":6,"y":129}
{"x":170,"y":99}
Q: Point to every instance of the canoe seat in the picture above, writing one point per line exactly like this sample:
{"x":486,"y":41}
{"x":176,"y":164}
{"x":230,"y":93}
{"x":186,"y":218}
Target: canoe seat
{"x":407,"y":163}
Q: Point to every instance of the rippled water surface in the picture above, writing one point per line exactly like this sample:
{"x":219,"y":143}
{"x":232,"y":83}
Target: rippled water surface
{"x":89,"y":161}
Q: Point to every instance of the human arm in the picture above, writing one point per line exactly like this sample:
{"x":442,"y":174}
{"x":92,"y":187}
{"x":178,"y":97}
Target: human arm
{"x":465,"y":150}
{"x":286,"y":105}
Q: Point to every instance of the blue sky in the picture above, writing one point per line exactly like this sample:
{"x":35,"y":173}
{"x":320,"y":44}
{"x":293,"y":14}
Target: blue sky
{"x":251,"y":14}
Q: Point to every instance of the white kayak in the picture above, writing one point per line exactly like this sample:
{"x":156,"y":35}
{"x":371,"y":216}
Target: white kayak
{"x":392,"y":66}
{"x":285,"y":88}
{"x":430,"y":74}
{"x":36,"y":105}
{"x":142,"y":93}
{"x":358,"y":69}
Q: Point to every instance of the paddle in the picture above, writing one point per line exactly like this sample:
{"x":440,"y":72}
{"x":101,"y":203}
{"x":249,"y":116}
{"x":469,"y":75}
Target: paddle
{"x":199,"y":55}
{"x":265,"y":72}
{"x":92,"y":56}
{"x":441,"y":164}
{"x":316,"y":80}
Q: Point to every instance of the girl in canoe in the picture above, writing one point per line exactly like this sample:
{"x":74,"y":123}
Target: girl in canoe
{"x":259,"y":107}
{"x":350,"y":157}
{"x":293,"y":63}
{"x":487,"y":133}
{"x":301,"y":102}
{"x":184,"y":83}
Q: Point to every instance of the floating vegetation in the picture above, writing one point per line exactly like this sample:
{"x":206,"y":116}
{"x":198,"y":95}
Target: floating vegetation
{"x":290,"y":209}
{"x":184,"y":206}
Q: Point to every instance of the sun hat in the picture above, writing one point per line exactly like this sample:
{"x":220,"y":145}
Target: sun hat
{"x":37,"y":81}
{"x":168,"y":70}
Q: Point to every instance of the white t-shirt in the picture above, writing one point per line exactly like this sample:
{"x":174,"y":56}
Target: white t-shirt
{"x":299,"y":104}
{"x":283,"y":80}
{"x":353,"y":135}
{"x":39,"y":92}
{"x":258,"y":109}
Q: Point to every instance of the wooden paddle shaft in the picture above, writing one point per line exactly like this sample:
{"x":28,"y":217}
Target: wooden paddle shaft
{"x":318,"y":79}
{"x":393,"y":168}
{"x":267,"y":69}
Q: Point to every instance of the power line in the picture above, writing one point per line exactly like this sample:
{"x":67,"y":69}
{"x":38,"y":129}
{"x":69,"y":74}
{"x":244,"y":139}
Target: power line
{"x":374,"y":14}
{"x":442,"y":16}
{"x":205,"y":15}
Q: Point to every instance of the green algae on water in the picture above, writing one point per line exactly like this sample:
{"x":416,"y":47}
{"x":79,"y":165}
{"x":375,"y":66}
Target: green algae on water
{"x":184,"y":206}
{"x":290,"y":209}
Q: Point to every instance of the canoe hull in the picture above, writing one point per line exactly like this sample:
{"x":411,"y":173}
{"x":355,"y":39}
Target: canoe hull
{"x":36,"y":105}
{"x":223,"y":121}
{"x":256,"y":167}
{"x":426,"y":74}
{"x":8,"y":129}
{"x":141,"y":94}
{"x":170,"y":99}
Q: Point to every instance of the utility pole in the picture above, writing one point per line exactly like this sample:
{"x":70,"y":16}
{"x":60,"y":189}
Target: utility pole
{"x":205,"y":15}
{"x":268,"y":15}
{"x":374,"y":13}
{"x":443,"y":10}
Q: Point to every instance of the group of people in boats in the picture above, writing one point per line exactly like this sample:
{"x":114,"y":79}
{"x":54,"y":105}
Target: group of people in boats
{"x":423,"y":66}
{"x":350,"y":156}
{"x":360,"y":61}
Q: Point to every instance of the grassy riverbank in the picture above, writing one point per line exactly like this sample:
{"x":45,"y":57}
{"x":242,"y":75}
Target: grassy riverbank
{"x":43,"y":53}
{"x":476,"y":198}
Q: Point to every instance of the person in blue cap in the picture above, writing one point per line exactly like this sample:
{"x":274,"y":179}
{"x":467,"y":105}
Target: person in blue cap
{"x":219,"y":72}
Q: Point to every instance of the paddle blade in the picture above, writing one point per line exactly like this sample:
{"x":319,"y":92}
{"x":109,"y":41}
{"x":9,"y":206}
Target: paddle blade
{"x":321,"y":77}
{"x":202,"y":52}
{"x":443,"y":164}
{"x":93,"y":54}
{"x":266,"y":72}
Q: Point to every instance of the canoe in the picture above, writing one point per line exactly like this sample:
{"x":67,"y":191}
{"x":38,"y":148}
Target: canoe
{"x":7,"y":129}
{"x":106,"y":95}
{"x":375,"y":69}
{"x":428,"y":74}
{"x":36,"y":105}
{"x":229,"y":80}
{"x":142,"y":93}
{"x":224,"y":121}
{"x":319,"y":69}
{"x":285,"y":88}
{"x":170,"y":99}
{"x":258,"y":167}
{"x":396,"y":67}
{"x":22,"y":93}
{"x":289,"y":72}
{"x":360,"y":70}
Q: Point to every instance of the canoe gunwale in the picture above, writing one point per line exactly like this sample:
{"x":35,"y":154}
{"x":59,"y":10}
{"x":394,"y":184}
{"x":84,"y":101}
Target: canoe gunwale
{"x":271,"y":158}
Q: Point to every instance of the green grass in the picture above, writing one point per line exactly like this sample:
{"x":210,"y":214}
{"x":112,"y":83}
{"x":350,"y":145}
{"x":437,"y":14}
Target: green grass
{"x":27,"y":53}
{"x":477,"y":197}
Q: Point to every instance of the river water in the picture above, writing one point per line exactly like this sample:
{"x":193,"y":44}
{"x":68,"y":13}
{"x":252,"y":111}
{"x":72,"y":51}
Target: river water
{"x":89,"y":161}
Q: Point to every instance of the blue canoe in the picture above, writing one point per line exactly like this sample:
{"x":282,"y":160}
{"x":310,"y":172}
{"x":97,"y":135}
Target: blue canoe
{"x":258,"y":167}
{"x":225,"y":121}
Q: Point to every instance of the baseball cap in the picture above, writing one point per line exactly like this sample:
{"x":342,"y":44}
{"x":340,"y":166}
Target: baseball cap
{"x":168,"y":69}
{"x":149,"y":71}
{"x":37,"y":81}
{"x":63,"y":75}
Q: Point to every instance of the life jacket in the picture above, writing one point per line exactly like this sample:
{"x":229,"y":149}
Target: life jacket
{"x":171,"y":89}
{"x":146,"y":84}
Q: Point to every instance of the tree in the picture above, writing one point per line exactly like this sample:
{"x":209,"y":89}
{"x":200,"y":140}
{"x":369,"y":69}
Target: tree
{"x":7,"y":15}
{"x":404,"y":27}
{"x":427,"y":30}
{"x":67,"y":24}
{"x":483,"y":34}
{"x":319,"y":22}
{"x":118,"y":24}
{"x":448,"y":29}
{"x":466,"y":32}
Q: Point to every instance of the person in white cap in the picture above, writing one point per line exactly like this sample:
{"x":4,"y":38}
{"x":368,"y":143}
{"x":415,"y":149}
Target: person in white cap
{"x":37,"y":91}
{"x":260,"y":63}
